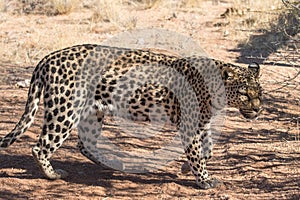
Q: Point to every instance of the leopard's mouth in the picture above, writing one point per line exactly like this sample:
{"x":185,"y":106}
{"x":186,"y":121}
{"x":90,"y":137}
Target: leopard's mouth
{"x":251,"y":113}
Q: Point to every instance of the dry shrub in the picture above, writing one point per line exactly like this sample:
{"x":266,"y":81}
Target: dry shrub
{"x":289,"y":19}
{"x":145,"y":4}
{"x":52,"y":7}
{"x":114,"y":13}
{"x":148,"y":4}
{"x":106,"y":11}
{"x":64,"y":6}
{"x":269,"y":17}
{"x":282,"y":28}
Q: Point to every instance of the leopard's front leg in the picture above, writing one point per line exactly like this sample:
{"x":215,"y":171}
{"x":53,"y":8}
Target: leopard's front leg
{"x":197,"y":152}
{"x":205,"y":150}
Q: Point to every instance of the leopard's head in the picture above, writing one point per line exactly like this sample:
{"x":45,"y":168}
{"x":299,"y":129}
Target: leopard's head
{"x":243,"y":90}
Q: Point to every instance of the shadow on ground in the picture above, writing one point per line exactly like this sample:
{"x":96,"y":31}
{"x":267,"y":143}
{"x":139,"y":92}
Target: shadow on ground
{"x":284,"y":33}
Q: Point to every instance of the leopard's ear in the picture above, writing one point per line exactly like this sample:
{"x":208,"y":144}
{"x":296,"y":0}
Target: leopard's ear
{"x":254,"y":68}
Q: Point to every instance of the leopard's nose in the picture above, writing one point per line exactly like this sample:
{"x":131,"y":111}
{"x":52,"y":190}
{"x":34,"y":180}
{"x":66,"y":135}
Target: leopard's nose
{"x":256,"y":109}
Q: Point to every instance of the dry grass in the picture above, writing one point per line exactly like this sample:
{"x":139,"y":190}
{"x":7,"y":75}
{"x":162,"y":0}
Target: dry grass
{"x":244,"y":18}
{"x":264,"y":29}
{"x":145,"y":4}
{"x":251,"y":18}
{"x":106,"y":11}
{"x":64,"y":6}
{"x":45,"y":7}
{"x":113,"y":12}
{"x":152,"y":4}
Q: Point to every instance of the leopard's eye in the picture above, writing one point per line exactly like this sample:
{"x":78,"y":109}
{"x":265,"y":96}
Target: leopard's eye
{"x":244,"y":98}
{"x":243,"y":90}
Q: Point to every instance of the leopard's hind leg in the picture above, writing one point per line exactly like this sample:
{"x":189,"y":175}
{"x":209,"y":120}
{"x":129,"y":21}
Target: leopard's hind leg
{"x":59,"y":119}
{"x":91,"y":142}
{"x":48,"y":143}
{"x":80,"y":145}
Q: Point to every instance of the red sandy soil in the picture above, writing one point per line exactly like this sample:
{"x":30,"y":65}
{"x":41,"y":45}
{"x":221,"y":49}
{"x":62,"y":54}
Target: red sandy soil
{"x":256,"y":159}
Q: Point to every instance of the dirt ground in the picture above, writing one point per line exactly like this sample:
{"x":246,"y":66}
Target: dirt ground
{"x":256,"y":159}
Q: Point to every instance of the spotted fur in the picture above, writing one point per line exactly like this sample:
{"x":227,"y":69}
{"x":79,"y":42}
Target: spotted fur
{"x":85,"y":79}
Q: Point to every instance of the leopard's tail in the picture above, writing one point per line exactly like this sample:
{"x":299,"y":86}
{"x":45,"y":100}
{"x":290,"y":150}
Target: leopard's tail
{"x":27,"y":118}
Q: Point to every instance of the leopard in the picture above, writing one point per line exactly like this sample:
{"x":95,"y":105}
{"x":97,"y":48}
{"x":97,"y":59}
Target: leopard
{"x":91,"y":80}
